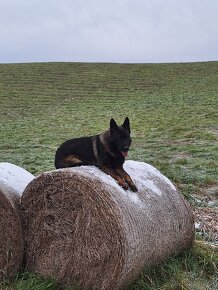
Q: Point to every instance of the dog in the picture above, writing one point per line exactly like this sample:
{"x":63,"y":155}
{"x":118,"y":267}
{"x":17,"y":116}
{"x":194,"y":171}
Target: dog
{"x":106,"y":151}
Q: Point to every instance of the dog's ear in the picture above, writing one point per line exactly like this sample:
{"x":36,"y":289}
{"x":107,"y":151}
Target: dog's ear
{"x":126,"y":124}
{"x":113,"y":125}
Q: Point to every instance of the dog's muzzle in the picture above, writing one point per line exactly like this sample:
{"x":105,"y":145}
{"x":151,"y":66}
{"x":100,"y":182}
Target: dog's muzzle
{"x":125,"y":151}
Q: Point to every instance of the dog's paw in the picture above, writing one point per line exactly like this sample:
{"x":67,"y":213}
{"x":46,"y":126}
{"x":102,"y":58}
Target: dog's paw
{"x":133,"y":188}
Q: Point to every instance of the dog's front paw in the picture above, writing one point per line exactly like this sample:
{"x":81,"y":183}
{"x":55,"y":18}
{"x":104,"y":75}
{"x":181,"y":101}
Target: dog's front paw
{"x":133,"y":188}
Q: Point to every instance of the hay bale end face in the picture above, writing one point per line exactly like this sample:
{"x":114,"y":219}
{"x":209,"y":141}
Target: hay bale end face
{"x":13,"y":180}
{"x":81,"y":226}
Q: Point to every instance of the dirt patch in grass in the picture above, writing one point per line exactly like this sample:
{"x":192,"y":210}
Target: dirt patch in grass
{"x":212,"y":190}
{"x":206,"y":224}
{"x":209,"y":195}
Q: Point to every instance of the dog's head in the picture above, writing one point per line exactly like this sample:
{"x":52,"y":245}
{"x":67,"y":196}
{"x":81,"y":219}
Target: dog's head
{"x":120,"y":136}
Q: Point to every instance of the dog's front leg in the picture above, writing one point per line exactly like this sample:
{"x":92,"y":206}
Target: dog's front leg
{"x":121,"y":181}
{"x":127,"y":178}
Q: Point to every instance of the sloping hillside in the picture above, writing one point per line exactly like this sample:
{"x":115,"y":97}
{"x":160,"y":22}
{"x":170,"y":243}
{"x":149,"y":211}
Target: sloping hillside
{"x":174,"y":121}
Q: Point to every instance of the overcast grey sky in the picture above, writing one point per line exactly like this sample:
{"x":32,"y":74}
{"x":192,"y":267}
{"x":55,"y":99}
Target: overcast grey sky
{"x":108,"y":30}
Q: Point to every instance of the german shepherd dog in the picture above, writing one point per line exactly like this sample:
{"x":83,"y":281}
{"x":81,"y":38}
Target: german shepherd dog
{"x":107,"y":151}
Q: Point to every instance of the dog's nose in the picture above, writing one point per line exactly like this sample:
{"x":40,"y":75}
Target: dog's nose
{"x":126,"y":148}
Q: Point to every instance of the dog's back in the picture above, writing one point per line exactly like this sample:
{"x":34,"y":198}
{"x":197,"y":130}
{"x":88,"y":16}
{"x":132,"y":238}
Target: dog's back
{"x":75,"y":152}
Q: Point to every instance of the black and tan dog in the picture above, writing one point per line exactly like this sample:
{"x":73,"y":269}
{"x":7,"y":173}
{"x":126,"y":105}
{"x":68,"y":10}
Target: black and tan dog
{"x":106,"y":151}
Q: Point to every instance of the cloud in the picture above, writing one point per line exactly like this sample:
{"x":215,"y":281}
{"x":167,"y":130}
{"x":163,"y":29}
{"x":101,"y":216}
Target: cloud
{"x":114,"y":31}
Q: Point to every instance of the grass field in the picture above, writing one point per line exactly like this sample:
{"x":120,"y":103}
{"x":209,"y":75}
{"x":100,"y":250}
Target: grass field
{"x":173,"y":110}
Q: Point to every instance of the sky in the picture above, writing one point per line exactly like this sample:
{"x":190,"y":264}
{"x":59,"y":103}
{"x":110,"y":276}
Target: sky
{"x":119,"y":31}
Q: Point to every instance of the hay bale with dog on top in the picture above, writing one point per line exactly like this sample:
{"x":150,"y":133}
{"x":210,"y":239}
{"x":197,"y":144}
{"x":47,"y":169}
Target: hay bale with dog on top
{"x":82,"y":226}
{"x":13,"y":181}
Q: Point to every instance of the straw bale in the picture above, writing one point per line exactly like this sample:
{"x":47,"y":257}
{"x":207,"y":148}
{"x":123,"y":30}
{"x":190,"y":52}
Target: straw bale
{"x":82,"y":226}
{"x":13,"y":180}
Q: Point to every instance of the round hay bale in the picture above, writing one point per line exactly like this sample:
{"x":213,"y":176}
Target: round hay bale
{"x":82,"y":226}
{"x":13,"y":180}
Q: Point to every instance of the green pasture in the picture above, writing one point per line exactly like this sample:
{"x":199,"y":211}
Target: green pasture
{"x":173,"y":111}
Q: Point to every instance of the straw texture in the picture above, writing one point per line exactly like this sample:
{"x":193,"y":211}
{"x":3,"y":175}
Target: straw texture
{"x":12,"y":182}
{"x":81,"y":226}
